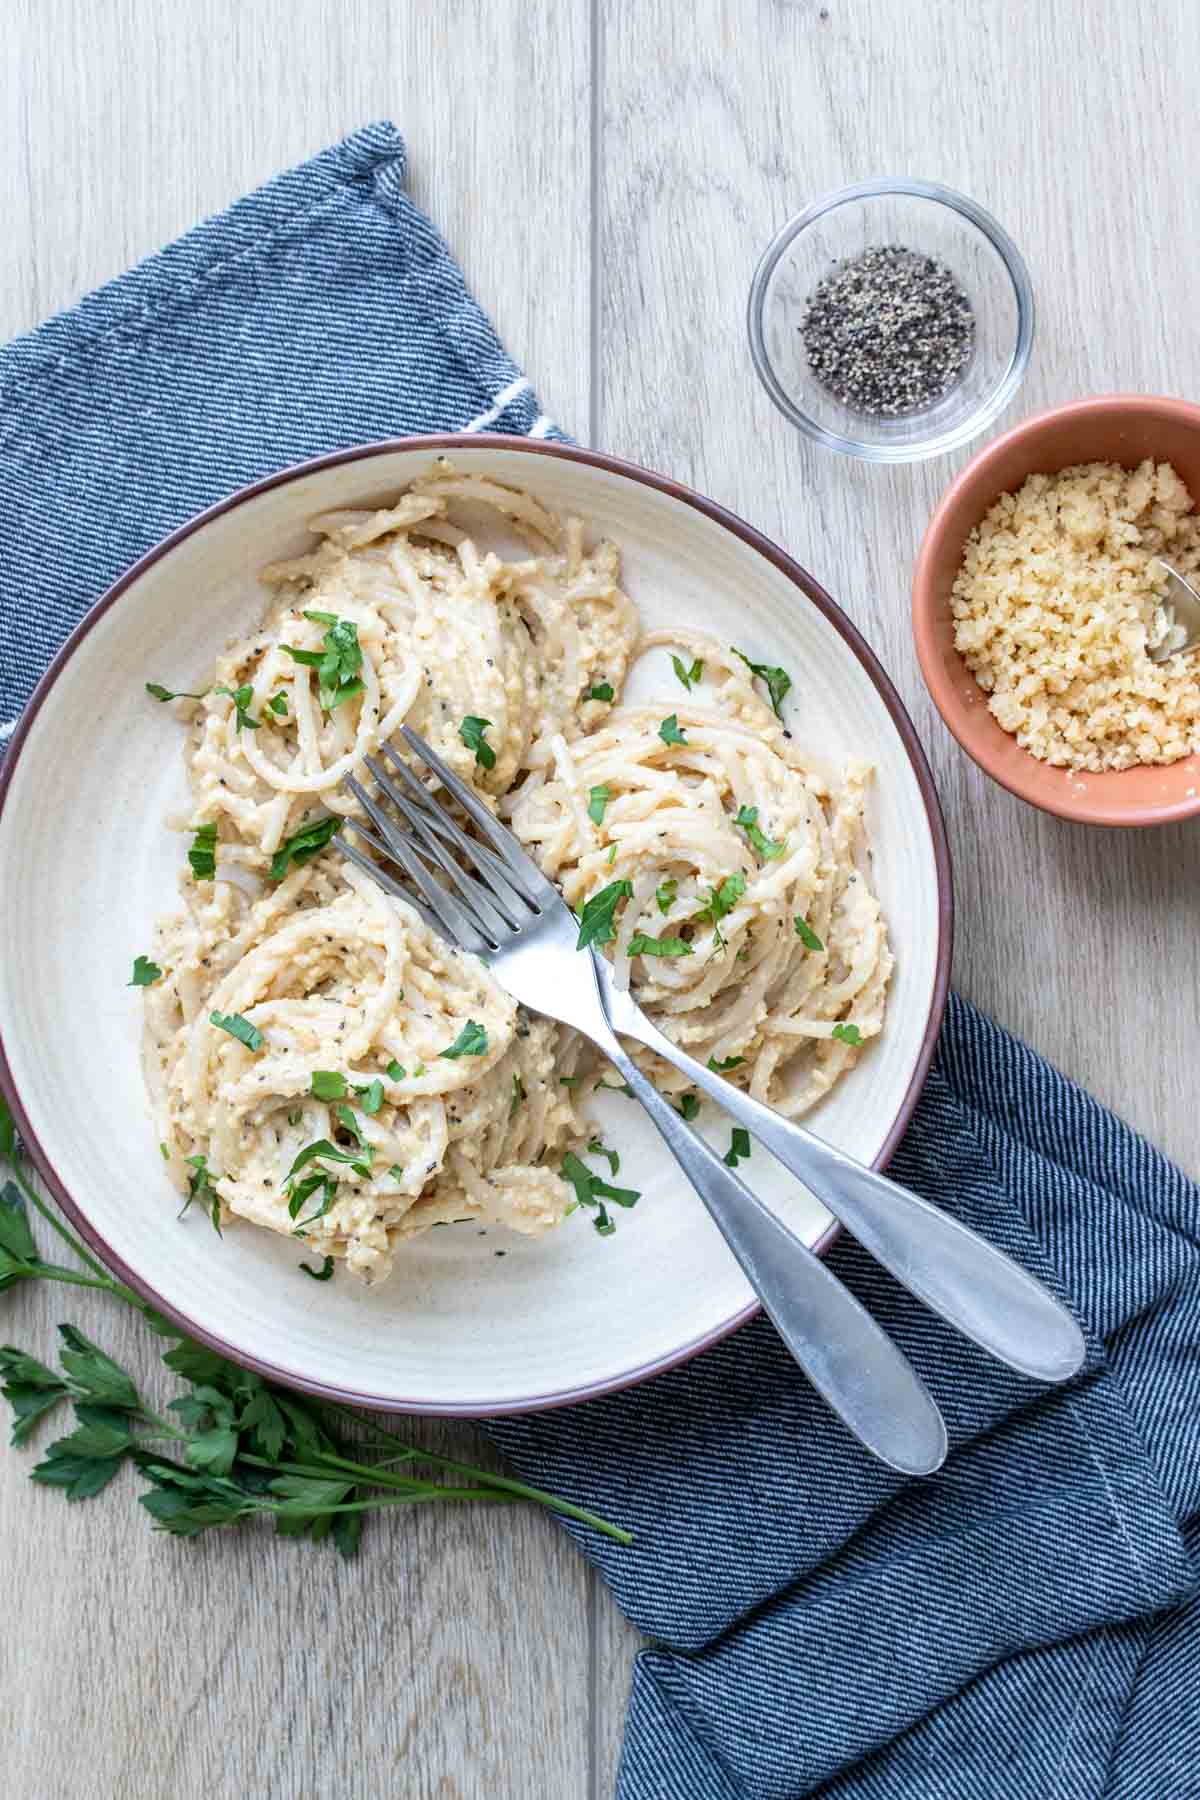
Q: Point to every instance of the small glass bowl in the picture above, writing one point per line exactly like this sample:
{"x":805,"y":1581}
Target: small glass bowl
{"x":922,"y":216}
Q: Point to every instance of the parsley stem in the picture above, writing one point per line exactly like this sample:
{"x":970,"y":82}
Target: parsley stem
{"x":41,"y":1271}
{"x":518,"y":1488}
{"x":68,"y":1237}
{"x":432,"y":1492}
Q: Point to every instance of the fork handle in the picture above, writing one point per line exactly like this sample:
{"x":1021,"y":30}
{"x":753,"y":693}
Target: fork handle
{"x":956,"y":1273}
{"x":849,"y":1359}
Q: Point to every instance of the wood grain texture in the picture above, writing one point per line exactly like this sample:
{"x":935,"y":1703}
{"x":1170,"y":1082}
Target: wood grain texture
{"x":608,"y":172}
{"x":451,"y":1660}
{"x":1065,"y":122}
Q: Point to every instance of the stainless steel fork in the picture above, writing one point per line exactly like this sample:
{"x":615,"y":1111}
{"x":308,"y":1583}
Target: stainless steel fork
{"x":518,"y":924}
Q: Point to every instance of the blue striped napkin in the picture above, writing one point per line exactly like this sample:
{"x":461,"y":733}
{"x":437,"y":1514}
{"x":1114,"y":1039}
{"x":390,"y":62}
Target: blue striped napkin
{"x":1024,"y":1625}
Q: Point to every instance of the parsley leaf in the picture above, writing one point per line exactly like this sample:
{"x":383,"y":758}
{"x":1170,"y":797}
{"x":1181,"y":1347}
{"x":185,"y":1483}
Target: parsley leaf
{"x":471,"y":732}
{"x":371,"y":1095}
{"x":472,"y":1040}
{"x":326,"y":1084}
{"x":395,"y":1071}
{"x":848,"y":1034}
{"x":689,"y":1106}
{"x":145,"y":972}
{"x":739,"y":1146}
{"x":601,"y":691}
{"x":596,"y":1148}
{"x":767,"y":847}
{"x":721,"y":901}
{"x":31,"y":1389}
{"x":665,"y":894}
{"x":726,"y":1063}
{"x":200,"y":1187}
{"x":304,"y":844}
{"x":597,"y":920}
{"x":345,"y":1116}
{"x":338,"y":663}
{"x":241,"y":698}
{"x":278,"y":704}
{"x":669,"y":731}
{"x":321,"y":618}
{"x":688,"y":676}
{"x":161,"y":693}
{"x":641,"y":945}
{"x":238,"y":1028}
{"x":806,"y":934}
{"x":591,"y":1191}
{"x":598,"y":799}
{"x":778,"y":681}
{"x":323,"y":1273}
{"x":203,"y":853}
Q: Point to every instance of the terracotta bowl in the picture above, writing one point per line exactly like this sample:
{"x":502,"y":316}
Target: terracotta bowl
{"x":1122,"y":428}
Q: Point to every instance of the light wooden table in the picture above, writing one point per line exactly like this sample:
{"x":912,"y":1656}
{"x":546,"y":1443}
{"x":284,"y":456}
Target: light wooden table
{"x":608,"y":174}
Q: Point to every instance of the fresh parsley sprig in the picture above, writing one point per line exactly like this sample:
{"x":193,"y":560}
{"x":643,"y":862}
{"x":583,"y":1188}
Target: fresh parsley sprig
{"x":233,"y":1446}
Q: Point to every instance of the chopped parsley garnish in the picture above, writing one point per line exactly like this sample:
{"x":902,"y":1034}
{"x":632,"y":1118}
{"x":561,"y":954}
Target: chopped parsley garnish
{"x":778,"y":681}
{"x":848,"y":1034}
{"x":641,"y":945}
{"x":371,"y":1096}
{"x":200,"y":1187}
{"x":472,"y":1040}
{"x":471,"y":732}
{"x":721,"y":901}
{"x":665,"y":894}
{"x":319,"y":1182}
{"x":321,"y":618}
{"x":739,"y":1146}
{"x":688,"y":676}
{"x":241,"y":698}
{"x":597,"y":920}
{"x":592,"y":1192}
{"x":689,"y":1106}
{"x":598,"y":799}
{"x":396,"y":1172}
{"x":278,"y":704}
{"x":304,"y":844}
{"x":395,"y":1071}
{"x":596,"y":1148}
{"x":338,"y":663}
{"x":601,"y":691}
{"x":327,"y":1084}
{"x":726,"y":1063}
{"x":238,"y":1028}
{"x":157,"y":692}
{"x":321,"y":1150}
{"x":611,"y":858}
{"x":768,"y":848}
{"x":518,"y":1098}
{"x":166,"y":1152}
{"x":321,"y":1274}
{"x":618,"y":1087}
{"x":568,"y":1081}
{"x":806,"y":934}
{"x":145,"y":972}
{"x":203,"y":853}
{"x":418,"y":1068}
{"x":669,"y":731}
{"x":345,"y":1116}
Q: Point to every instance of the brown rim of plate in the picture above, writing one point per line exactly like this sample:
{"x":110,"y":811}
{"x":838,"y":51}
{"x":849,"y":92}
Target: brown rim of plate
{"x":887,"y":693}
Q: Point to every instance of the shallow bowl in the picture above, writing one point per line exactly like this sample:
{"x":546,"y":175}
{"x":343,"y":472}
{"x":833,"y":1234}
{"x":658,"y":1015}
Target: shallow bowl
{"x":86,"y":864}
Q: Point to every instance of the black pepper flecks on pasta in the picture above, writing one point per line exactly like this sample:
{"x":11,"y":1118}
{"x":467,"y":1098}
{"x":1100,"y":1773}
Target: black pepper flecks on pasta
{"x":888,"y":332}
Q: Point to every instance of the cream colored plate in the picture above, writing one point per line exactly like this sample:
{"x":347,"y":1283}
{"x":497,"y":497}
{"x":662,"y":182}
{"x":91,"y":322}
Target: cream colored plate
{"x":86,"y":864}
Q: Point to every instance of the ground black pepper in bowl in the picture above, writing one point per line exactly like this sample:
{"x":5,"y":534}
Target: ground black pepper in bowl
{"x":888,"y":332}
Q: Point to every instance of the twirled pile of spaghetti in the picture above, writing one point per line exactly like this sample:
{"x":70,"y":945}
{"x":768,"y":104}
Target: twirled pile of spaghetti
{"x":300,"y":1007}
